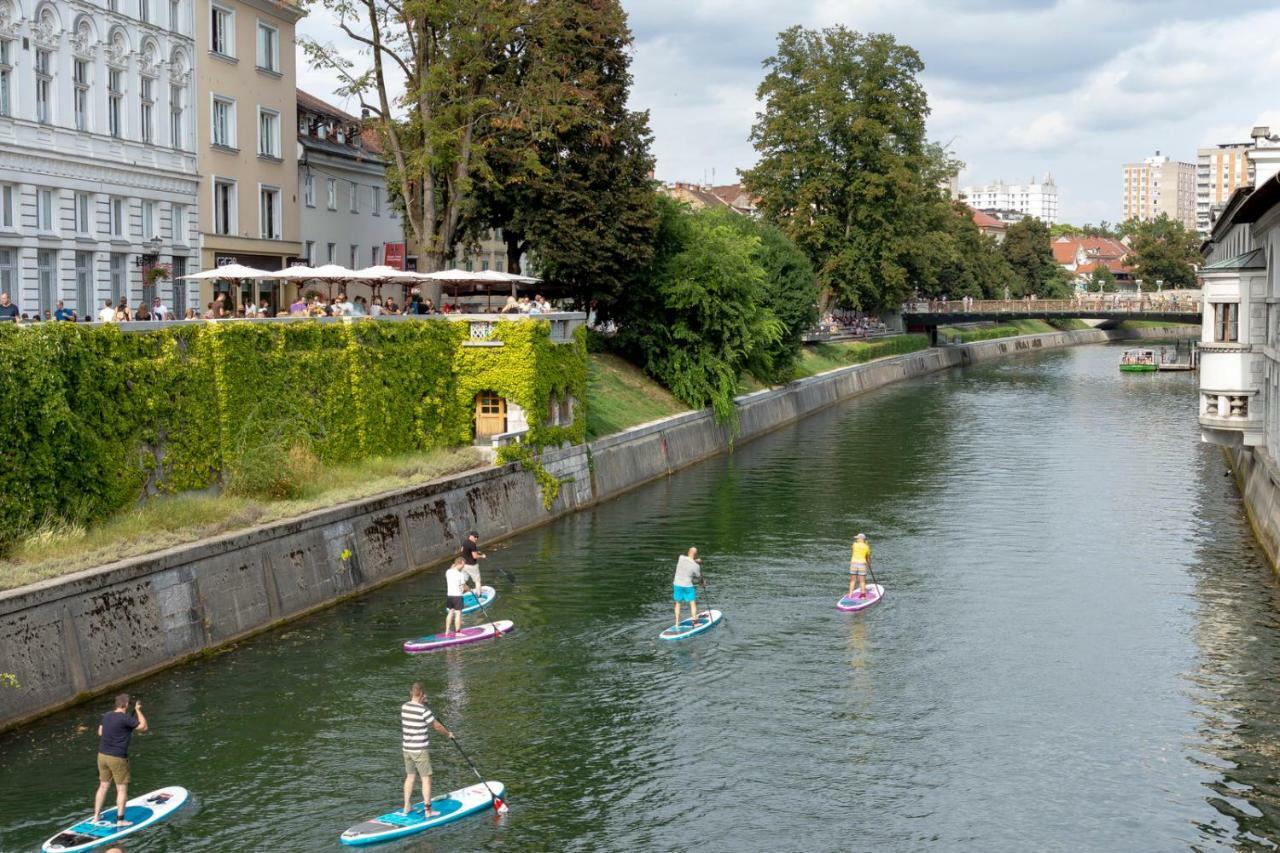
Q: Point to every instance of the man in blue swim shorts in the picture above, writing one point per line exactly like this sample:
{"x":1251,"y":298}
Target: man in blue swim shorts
{"x":688,"y":573}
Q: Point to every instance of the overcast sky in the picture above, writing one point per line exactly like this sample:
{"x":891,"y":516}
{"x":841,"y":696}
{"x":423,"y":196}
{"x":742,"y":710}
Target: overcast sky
{"x":1019,"y":87}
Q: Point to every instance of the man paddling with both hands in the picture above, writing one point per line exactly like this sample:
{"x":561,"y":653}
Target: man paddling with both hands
{"x":455,"y":582}
{"x":415,"y":716}
{"x":688,"y":573}
{"x":470,"y":557}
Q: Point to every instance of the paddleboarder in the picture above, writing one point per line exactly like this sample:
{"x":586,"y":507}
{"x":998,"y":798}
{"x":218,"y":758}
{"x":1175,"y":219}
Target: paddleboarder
{"x":455,"y":581}
{"x":415,"y":716}
{"x":470,"y":557}
{"x":688,"y":573}
{"x":859,"y":562}
{"x":114,"y":734}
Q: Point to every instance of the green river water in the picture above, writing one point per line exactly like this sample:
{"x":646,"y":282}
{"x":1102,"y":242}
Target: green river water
{"x":1077,"y":651}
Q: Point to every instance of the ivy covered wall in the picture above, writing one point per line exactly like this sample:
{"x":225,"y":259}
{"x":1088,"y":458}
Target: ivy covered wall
{"x":96,"y":417}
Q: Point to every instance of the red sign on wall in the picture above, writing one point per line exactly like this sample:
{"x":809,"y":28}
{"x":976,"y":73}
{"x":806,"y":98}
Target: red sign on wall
{"x":393,"y":255}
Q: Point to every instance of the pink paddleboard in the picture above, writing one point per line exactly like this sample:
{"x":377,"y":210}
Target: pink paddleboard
{"x":875,"y":592}
{"x":435,"y":642}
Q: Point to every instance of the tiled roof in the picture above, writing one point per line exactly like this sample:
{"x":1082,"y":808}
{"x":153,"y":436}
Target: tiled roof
{"x":310,"y":103}
{"x":986,"y":220}
{"x":1064,"y":253}
{"x":313,"y":104}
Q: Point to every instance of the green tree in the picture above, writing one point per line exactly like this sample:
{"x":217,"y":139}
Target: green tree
{"x":1163,"y":249}
{"x":1026,"y":249}
{"x":791,"y":292}
{"x":700,"y":320}
{"x":452,"y":59}
{"x":1063,"y":229}
{"x":575,"y":191}
{"x":1102,"y":280}
{"x":841,"y":139}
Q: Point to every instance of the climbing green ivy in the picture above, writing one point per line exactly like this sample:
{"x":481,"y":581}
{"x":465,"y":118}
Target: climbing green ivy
{"x":96,"y":418}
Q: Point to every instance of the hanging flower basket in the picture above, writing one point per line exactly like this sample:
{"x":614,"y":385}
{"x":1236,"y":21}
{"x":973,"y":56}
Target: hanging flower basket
{"x":159,"y":272}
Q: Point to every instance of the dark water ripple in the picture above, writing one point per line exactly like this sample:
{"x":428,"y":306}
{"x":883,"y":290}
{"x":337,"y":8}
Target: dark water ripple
{"x":1078,"y":652}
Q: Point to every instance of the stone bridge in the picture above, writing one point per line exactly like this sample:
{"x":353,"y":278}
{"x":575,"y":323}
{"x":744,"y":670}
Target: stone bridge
{"x":1111,"y":309}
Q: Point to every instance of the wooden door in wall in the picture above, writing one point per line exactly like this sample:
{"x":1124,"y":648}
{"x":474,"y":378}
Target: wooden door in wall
{"x":491,"y":414}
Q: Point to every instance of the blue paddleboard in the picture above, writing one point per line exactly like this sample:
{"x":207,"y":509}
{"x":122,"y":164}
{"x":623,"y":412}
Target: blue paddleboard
{"x":448,"y":808}
{"x":471,"y":605}
{"x":706,"y":620}
{"x":141,"y":812}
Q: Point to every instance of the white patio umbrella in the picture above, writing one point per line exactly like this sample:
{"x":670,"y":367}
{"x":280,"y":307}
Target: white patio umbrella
{"x":385,"y":273}
{"x":298,"y":273}
{"x":231,"y":272}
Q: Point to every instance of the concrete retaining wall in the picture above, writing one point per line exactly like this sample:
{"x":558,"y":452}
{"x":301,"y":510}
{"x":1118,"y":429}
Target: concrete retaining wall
{"x":1258,"y":477}
{"x":88,"y":633}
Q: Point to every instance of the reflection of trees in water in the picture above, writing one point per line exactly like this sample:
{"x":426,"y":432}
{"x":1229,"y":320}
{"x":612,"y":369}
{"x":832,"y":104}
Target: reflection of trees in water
{"x":1237,"y":630}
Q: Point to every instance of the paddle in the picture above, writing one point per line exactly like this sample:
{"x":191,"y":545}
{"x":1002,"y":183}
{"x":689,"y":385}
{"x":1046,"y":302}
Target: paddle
{"x":498,"y":805}
{"x":485,"y":611}
{"x":873,"y":577}
{"x":703,"y":582}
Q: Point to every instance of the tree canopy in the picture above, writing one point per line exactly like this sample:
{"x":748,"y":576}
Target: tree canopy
{"x":702,"y":317}
{"x":841,"y":139}
{"x":1163,"y":249}
{"x":1026,"y":249}
{"x":575,"y":192}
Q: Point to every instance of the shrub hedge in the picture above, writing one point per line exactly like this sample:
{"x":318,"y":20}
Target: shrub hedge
{"x":98,"y":417}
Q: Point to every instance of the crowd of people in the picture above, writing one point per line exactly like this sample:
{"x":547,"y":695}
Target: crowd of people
{"x":850,"y":323}
{"x":310,"y":304}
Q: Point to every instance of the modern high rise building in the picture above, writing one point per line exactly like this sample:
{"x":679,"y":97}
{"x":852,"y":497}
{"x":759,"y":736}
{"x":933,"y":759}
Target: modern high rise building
{"x":248,"y":131}
{"x":1219,"y":170}
{"x":97,"y":152}
{"x":1038,"y":199}
{"x":1159,"y":185}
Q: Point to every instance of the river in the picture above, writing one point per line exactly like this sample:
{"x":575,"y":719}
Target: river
{"x":1077,"y":651}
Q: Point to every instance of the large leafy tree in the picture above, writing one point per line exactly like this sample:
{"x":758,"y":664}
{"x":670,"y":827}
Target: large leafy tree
{"x":841,"y":139}
{"x":574,"y":190}
{"x":701,"y":319}
{"x":790,"y":293}
{"x":1026,"y":249}
{"x":434,"y":77}
{"x":1163,"y":249}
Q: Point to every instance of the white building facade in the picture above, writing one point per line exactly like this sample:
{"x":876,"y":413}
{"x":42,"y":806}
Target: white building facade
{"x":1159,"y":185}
{"x":1240,"y":340}
{"x":97,"y":166}
{"x":346,"y":215}
{"x":1038,"y":199}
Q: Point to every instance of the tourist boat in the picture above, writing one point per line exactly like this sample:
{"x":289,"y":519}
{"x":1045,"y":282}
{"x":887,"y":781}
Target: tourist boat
{"x":1139,"y":361}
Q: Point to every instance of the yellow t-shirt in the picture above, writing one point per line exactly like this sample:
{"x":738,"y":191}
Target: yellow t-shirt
{"x":861,"y":552}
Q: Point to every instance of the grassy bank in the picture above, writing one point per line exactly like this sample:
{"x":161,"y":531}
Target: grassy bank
{"x":620,"y":395}
{"x":167,"y":521}
{"x":1011,"y":329}
{"x":819,"y":358}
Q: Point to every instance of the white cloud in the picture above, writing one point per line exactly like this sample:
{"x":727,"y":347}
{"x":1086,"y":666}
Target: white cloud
{"x":1024,"y":87}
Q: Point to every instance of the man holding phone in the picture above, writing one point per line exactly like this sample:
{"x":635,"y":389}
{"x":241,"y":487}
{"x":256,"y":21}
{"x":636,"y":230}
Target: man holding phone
{"x":114,"y":734}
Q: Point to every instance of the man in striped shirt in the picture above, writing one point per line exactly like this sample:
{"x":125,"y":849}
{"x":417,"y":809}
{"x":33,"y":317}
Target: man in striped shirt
{"x":415,"y":716}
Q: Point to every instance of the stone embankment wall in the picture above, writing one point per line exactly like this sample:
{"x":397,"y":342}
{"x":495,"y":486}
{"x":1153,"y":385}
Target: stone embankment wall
{"x":88,"y":633}
{"x":1258,"y":477}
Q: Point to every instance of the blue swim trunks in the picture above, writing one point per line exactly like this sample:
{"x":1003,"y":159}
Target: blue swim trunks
{"x":683,"y":593}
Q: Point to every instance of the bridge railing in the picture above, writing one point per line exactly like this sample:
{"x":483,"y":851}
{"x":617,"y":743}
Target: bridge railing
{"x":1106,"y":303}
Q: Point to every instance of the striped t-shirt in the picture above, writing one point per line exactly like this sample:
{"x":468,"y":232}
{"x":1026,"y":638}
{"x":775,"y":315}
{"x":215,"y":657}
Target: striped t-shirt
{"x":414,"y":719}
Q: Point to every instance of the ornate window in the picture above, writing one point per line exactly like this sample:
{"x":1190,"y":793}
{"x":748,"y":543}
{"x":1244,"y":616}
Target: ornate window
{"x":147,"y":98}
{"x":115,"y":102}
{"x":80,"y":75}
{"x":44,"y":86}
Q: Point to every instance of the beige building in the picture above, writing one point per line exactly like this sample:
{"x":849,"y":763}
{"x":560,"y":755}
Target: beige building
{"x":1219,"y":171}
{"x":248,"y":140}
{"x":1159,"y":185}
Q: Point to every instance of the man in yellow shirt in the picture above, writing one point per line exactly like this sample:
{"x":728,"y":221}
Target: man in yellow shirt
{"x":859,"y":562}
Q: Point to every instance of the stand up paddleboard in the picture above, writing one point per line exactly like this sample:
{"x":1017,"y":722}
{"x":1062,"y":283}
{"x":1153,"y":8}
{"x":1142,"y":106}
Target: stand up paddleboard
{"x":447,"y":808}
{"x":435,"y":642}
{"x":706,"y":620}
{"x":875,"y":592}
{"x":471,"y":605}
{"x":140,"y":811}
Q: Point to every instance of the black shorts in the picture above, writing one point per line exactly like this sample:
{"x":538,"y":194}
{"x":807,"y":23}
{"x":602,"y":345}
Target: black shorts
{"x":453,"y":602}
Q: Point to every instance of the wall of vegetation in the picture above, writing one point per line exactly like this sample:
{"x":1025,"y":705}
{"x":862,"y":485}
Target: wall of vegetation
{"x":96,"y":418}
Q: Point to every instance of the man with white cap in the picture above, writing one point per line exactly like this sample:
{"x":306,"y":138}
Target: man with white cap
{"x":859,"y":562}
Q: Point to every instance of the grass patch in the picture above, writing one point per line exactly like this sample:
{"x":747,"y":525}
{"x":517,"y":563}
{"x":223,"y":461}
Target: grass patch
{"x":620,"y":395}
{"x":1071,"y":325}
{"x":819,"y":358}
{"x":1011,"y":329}
{"x":167,"y":521}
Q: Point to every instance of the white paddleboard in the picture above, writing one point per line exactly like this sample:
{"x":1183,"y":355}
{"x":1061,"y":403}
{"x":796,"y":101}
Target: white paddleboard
{"x":470,"y":604}
{"x":435,"y":642}
{"x":140,"y":811}
{"x":446,"y":808}
{"x":706,"y":620}
{"x":857,"y":601}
